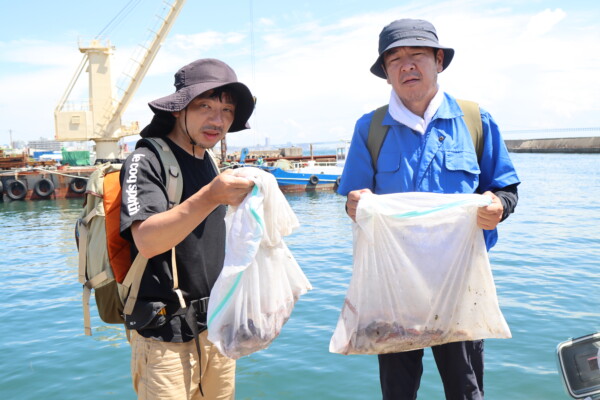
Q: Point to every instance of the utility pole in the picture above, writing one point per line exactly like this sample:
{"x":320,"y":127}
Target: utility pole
{"x":223,"y":151}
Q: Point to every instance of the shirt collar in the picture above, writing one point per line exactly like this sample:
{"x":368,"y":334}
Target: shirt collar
{"x":403,"y":115}
{"x":447,"y":109}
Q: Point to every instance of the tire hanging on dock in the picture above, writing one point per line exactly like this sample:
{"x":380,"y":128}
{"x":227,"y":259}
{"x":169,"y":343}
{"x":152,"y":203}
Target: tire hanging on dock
{"x":78,"y":185}
{"x":16,"y":190}
{"x":44,"y":187}
{"x":313,"y":180}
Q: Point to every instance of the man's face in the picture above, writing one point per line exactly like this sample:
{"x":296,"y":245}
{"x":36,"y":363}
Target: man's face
{"x":207,"y":118}
{"x":412,"y":72}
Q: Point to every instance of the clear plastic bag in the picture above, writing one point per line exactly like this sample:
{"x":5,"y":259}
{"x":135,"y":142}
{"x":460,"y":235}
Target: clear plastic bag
{"x":261,"y":281}
{"x":421,"y":276}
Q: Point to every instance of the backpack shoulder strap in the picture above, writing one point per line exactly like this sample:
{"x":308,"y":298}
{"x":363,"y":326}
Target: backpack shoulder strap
{"x":174,"y":182}
{"x":472,"y":117}
{"x":377,"y":134}
{"x":213,"y":160}
{"x":174,"y":187}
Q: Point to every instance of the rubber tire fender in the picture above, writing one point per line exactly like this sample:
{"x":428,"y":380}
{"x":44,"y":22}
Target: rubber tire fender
{"x":313,"y":180}
{"x":338,"y":180}
{"x":44,"y":187}
{"x":16,"y":190}
{"x":78,"y":185}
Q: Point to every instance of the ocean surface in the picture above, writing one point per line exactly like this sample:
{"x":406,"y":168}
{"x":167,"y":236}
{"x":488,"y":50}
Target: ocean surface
{"x":546,"y":268}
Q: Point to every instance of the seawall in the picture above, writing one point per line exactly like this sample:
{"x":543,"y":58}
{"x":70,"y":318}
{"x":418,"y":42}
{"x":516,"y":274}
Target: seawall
{"x":559,"y":145}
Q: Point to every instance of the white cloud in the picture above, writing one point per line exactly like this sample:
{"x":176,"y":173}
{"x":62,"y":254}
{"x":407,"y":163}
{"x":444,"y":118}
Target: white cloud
{"x":206,"y":40}
{"x":38,"y":53}
{"x":266,"y":22}
{"x":543,"y":22}
{"x":531,"y":68}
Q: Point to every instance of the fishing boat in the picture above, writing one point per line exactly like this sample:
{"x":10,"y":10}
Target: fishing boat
{"x":38,"y":183}
{"x":24,"y":178}
{"x":309,"y":175}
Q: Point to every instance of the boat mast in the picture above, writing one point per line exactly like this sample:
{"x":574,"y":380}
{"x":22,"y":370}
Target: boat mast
{"x":100,"y":119}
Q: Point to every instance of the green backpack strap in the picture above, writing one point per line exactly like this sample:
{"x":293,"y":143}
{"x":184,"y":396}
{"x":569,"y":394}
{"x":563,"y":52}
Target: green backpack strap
{"x":472,"y":117}
{"x":174,"y":182}
{"x":378,"y":132}
{"x":174,"y":185}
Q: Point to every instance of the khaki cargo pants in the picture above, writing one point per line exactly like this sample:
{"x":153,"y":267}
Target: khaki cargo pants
{"x":165,"y":371}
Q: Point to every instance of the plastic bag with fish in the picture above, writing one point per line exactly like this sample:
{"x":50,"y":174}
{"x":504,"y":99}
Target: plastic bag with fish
{"x":421,"y":276}
{"x":261,"y":281}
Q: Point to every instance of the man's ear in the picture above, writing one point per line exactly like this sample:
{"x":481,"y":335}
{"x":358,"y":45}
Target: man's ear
{"x":439,"y":59}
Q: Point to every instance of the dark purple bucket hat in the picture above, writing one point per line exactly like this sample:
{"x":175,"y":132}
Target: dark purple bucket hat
{"x":409,"y":33}
{"x":193,"y":80}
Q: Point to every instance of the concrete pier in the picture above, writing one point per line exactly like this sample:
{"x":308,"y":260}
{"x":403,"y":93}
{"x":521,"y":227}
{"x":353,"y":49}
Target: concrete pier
{"x":560,"y":145}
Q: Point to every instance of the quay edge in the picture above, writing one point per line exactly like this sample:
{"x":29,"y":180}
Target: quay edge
{"x":559,"y":145}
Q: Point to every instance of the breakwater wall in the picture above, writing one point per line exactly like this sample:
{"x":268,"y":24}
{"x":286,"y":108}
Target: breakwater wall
{"x":559,"y":145}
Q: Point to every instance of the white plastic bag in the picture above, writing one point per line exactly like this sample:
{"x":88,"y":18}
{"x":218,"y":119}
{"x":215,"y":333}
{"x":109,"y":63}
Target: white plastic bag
{"x":421,"y":276}
{"x":261,"y":281}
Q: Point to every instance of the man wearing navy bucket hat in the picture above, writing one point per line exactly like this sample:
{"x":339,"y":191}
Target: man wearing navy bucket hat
{"x":426,"y":145}
{"x":171,"y":357}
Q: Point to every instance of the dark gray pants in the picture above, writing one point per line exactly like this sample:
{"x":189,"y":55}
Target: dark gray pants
{"x":460,"y":365}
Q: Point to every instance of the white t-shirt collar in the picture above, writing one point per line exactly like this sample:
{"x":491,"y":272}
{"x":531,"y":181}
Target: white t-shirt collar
{"x":403,"y":115}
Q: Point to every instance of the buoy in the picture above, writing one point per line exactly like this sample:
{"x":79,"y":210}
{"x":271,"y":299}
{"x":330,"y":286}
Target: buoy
{"x":313,"y":180}
{"x":16,"y":190}
{"x":44,"y":187}
{"x":78,"y":185}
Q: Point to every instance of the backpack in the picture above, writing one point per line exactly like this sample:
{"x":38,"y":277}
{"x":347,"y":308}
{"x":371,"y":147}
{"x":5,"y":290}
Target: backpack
{"x":104,"y":256}
{"x":378,"y":132}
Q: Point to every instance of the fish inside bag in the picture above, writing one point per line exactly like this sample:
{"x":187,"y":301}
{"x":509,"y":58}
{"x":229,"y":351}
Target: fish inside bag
{"x":261,"y":281}
{"x":421,"y":276}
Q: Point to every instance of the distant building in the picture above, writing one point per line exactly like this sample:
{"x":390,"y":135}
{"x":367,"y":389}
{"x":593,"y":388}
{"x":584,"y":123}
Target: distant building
{"x":18,"y":144}
{"x":44,"y":144}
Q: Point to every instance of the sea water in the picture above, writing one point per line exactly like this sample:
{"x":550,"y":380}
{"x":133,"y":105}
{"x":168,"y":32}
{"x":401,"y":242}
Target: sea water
{"x":546,"y":268}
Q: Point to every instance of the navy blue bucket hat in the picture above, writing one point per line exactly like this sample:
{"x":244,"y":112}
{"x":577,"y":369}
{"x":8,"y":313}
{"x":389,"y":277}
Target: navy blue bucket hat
{"x":409,"y":33}
{"x":191,"y":81}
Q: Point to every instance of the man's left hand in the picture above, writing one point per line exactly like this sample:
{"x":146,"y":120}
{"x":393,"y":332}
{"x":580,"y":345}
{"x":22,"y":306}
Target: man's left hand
{"x":488,"y":217}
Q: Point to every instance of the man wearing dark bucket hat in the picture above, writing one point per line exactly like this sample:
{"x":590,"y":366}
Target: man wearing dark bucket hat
{"x":428,"y":148}
{"x":171,"y":355}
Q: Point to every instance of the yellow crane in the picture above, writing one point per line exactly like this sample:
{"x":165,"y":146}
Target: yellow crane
{"x":100,"y":119}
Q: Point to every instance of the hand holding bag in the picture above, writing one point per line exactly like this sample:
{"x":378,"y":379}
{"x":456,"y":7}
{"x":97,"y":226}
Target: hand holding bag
{"x":421,"y":276}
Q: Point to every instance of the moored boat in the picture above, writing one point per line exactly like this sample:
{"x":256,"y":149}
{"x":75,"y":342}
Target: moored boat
{"x":308,"y":175}
{"x":41,"y":184}
{"x":309,"y":178}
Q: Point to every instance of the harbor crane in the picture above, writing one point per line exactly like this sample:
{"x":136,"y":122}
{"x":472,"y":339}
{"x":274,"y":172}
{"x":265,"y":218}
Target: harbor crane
{"x":100,"y":119}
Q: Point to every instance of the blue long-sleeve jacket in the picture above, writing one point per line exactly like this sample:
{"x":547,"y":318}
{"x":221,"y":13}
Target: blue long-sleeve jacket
{"x":442,"y":160}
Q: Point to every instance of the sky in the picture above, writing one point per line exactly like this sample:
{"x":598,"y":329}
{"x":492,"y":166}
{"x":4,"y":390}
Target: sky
{"x":533,"y":64}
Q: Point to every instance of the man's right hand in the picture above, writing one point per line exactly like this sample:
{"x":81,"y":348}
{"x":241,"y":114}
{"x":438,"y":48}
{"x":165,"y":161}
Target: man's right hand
{"x":229,"y":189}
{"x":164,"y":230}
{"x":352,"y":202}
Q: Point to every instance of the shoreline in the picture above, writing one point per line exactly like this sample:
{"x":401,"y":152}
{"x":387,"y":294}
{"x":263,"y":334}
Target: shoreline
{"x":558,"y":145}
